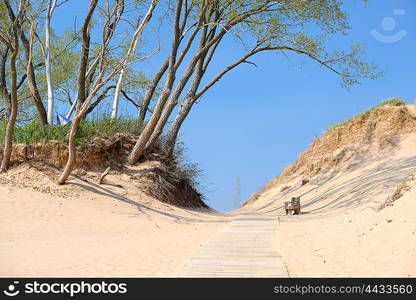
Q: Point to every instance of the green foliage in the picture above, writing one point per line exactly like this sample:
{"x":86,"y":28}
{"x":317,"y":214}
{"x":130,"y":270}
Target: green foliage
{"x":392,"y":101}
{"x":4,"y":18}
{"x":104,"y":127}
{"x":303,"y":28}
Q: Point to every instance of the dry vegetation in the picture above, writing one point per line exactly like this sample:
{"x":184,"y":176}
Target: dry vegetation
{"x":402,"y":188}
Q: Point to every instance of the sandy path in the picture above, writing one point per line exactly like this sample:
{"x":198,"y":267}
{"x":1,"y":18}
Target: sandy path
{"x":241,"y":249}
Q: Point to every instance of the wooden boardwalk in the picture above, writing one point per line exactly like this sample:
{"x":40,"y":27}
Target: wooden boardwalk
{"x":242,"y":249}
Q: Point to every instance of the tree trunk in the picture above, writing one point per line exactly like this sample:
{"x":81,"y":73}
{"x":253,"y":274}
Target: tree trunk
{"x":80,"y":113}
{"x":174,"y":100}
{"x":31,"y":79}
{"x":81,"y":82}
{"x":140,"y":145}
{"x":81,"y":107}
{"x":8,"y":140}
{"x":196,"y":63}
{"x":144,"y":105}
{"x":148,"y":129}
{"x":51,"y":7}
{"x":160,"y":115}
{"x":17,"y":29}
{"x":71,"y":150}
{"x":160,"y":125}
{"x":4,"y":94}
{"x":176,"y":126}
{"x":114,"y":111}
{"x":43,"y":117}
{"x":130,"y":52}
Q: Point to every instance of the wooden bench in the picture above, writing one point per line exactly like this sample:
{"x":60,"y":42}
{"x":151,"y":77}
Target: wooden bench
{"x":293,"y":206}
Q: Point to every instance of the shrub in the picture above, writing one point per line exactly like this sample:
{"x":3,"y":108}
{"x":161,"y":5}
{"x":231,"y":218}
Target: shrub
{"x":177,"y":181}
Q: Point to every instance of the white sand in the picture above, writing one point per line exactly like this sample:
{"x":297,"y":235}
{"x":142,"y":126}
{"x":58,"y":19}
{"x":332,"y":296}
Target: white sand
{"x":341,"y":232}
{"x":354,"y":243}
{"x":87,"y":234}
{"x":86,"y":230}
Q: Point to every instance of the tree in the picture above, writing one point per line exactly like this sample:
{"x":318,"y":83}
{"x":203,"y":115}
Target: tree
{"x":11,"y":39}
{"x":103,"y":66}
{"x":195,"y":30}
{"x":82,"y":73}
{"x":30,"y":70}
{"x":35,"y":66}
{"x":130,"y":52}
{"x":171,"y":66}
{"x":262,"y":25}
{"x":4,"y":94}
{"x":32,"y":93}
{"x":49,"y":12}
{"x":4,"y":54}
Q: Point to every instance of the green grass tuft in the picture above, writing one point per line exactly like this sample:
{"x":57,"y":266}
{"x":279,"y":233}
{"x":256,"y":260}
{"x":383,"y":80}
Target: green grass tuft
{"x":392,"y":101}
{"x":103,"y":127}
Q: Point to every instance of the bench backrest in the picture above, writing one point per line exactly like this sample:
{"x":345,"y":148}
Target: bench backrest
{"x":296,"y":200}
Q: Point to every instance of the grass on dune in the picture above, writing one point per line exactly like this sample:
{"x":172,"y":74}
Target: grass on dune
{"x":103,"y":127}
{"x":392,"y":101}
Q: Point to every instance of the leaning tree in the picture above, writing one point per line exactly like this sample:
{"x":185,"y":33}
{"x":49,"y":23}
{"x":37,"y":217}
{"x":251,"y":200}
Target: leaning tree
{"x":199,"y":29}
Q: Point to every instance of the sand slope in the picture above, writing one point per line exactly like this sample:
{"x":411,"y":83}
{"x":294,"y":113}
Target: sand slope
{"x":357,"y":243}
{"x":341,"y":231}
{"x":87,"y":230}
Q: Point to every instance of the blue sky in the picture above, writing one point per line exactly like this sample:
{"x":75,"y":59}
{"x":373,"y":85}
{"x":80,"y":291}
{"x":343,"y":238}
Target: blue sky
{"x":256,"y":121}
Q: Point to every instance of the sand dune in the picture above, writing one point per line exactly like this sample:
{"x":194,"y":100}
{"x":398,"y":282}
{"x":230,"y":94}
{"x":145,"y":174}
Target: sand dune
{"x":88,"y":230}
{"x":353,"y":243}
{"x":358,"y":196}
{"x":341,"y":231}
